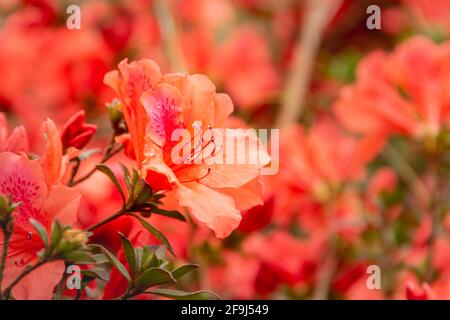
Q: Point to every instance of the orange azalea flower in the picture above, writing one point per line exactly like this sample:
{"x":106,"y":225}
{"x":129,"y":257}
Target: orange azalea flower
{"x":155,"y":106}
{"x":404,"y":92}
{"x":35,"y":183}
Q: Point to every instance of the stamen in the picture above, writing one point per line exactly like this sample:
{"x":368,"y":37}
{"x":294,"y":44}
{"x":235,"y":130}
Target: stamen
{"x":198,"y":179}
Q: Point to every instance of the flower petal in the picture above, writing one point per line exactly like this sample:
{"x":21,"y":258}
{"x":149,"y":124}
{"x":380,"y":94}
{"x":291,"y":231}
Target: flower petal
{"x":215,"y":209}
{"x":39,"y":284}
{"x":51,"y":161}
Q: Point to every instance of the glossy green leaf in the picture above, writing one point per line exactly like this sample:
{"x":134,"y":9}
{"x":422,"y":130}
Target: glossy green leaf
{"x":169,"y":213}
{"x":95,"y":274}
{"x":158,"y":235}
{"x":40,"y":230}
{"x":127,"y":177}
{"x":79,"y":256}
{"x":114,"y":261}
{"x":57,"y":231}
{"x":106,"y":170}
{"x":185,"y":269}
{"x":154,"y":276}
{"x":129,"y":251}
{"x":181,"y":295}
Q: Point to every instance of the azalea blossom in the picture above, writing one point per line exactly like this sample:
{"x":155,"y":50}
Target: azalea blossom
{"x":76,"y":133}
{"x":154,"y":106}
{"x":404,"y":92}
{"x":35,"y":184}
{"x":317,"y":167}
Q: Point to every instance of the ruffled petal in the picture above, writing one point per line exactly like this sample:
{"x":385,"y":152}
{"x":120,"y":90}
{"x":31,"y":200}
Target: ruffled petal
{"x":215,"y":209}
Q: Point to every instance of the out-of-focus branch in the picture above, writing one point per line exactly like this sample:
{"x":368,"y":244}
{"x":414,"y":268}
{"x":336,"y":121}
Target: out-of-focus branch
{"x":318,"y":14}
{"x":108,"y":154}
{"x":407,"y":174}
{"x":170,"y":35}
{"x":326,"y":272}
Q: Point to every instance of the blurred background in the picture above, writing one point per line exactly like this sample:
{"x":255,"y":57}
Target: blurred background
{"x":340,"y":202}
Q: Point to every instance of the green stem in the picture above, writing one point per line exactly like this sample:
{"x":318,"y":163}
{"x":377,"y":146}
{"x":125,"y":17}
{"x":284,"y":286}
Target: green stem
{"x":107,"y":220}
{"x":388,"y":243}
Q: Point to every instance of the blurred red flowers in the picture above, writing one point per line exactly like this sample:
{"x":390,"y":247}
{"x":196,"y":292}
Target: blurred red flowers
{"x":149,"y":187}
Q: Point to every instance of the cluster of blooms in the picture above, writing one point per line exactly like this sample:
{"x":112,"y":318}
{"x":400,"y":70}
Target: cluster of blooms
{"x":362,"y":176}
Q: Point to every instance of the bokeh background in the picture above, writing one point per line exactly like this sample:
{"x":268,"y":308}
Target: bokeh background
{"x":345,"y":198}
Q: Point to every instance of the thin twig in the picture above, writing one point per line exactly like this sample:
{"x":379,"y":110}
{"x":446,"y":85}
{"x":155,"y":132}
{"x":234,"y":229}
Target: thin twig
{"x":435,"y":214}
{"x":407,"y":173}
{"x":109,"y":153}
{"x":116,"y":215}
{"x":317,"y":16}
{"x":28,"y":269}
{"x":325,"y":276}
{"x":171,"y":38}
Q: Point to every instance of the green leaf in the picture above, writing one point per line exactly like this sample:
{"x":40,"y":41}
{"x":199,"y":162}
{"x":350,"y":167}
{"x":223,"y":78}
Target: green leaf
{"x":181,"y":295}
{"x":149,"y":259}
{"x":40,"y":230}
{"x":114,"y":261}
{"x":162,"y":238}
{"x":135,"y":177}
{"x":127,"y":177}
{"x":57,"y":231}
{"x":129,"y":252}
{"x":138,"y":253}
{"x":106,"y":170}
{"x":95,"y":274}
{"x":181,"y":271}
{"x":174,"y":214}
{"x":148,"y":208}
{"x":154,"y":276}
{"x":157,"y":197}
{"x":100,"y":258}
{"x":142,"y":193}
{"x":79,"y":256}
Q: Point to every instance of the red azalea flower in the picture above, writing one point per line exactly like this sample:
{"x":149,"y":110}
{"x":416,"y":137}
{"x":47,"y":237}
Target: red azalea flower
{"x":76,"y":133}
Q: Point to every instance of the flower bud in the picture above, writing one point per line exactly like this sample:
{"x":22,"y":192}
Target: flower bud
{"x":76,"y":133}
{"x":75,"y":237}
{"x":116,"y":117}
